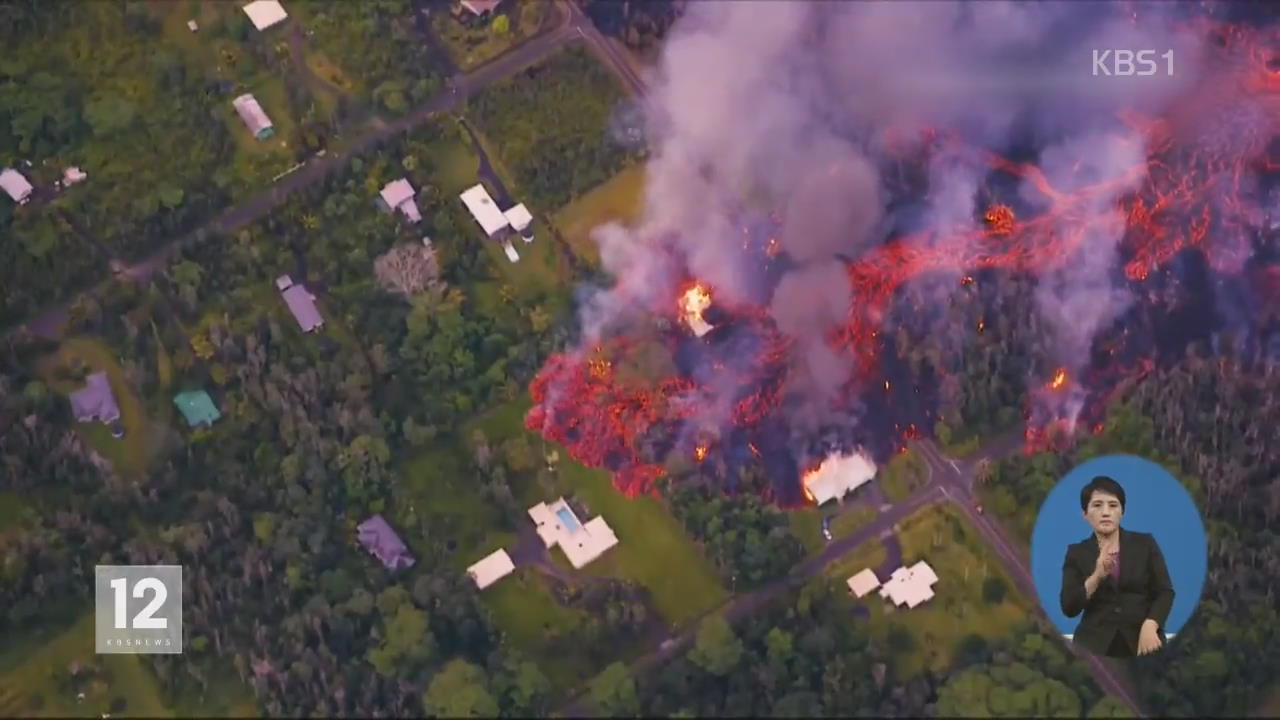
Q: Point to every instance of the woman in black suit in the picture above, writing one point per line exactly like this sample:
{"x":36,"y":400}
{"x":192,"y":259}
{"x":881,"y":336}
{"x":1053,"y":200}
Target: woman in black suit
{"x":1117,"y":577}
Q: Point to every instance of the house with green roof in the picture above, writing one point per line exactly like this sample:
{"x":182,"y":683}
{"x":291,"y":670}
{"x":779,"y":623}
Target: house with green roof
{"x":197,"y":407}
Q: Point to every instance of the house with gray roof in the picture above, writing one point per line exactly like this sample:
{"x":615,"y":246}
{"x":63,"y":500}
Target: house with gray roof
{"x":301,"y":303}
{"x":382,"y":542}
{"x":95,"y":402}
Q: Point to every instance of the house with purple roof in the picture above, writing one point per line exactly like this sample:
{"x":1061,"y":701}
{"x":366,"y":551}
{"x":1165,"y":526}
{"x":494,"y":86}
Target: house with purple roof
{"x":382,"y":542}
{"x":95,"y":402}
{"x":301,"y":303}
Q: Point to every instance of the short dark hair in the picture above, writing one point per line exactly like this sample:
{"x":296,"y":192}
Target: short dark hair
{"x":1103,"y":484}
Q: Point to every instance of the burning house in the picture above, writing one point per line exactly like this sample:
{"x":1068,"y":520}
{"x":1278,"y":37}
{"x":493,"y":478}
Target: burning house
{"x":837,"y":476}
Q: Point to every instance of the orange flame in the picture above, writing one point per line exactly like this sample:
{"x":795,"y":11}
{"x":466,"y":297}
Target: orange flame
{"x":982,"y":325}
{"x":700,"y":453}
{"x":1059,"y":380}
{"x":693,"y":303}
{"x":999,"y":219}
{"x":966,"y":280}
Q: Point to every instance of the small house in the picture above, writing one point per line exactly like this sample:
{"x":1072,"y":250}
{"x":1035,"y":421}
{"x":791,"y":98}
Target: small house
{"x":520,"y":220}
{"x":16,"y":185}
{"x":510,"y":251}
{"x":95,"y":402}
{"x":910,"y":586}
{"x":478,"y":8}
{"x":192,"y":25}
{"x":863,"y":582}
{"x":837,"y":476}
{"x":557,"y":524}
{"x":485,"y":211}
{"x":254,"y":117}
{"x":197,"y":407}
{"x":73,"y":175}
{"x":301,"y":303}
{"x":382,"y":542}
{"x":491,"y":569}
{"x":399,"y":195}
{"x":265,"y":13}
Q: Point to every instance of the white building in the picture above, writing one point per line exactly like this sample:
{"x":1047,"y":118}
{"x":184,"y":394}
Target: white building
{"x":192,"y":25}
{"x":16,"y":185}
{"x":399,"y":195}
{"x":558,"y":525}
{"x":520,"y":219}
{"x":254,"y":117}
{"x":838,"y":476}
{"x":491,"y":569}
{"x":265,"y":13}
{"x":485,"y":210}
{"x":910,"y":586}
{"x":73,"y":175}
{"x":863,"y":582}
{"x":510,"y":251}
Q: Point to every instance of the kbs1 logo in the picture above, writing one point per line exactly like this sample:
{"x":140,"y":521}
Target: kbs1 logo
{"x":1128,"y":63}
{"x":138,"y":609}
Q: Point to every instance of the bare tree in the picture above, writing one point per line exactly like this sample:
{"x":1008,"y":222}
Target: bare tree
{"x":408,"y":269}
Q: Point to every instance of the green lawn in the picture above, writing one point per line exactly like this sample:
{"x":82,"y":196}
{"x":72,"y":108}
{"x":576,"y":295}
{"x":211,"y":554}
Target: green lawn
{"x":962,"y":563}
{"x":14,"y":511}
{"x":131,"y":454}
{"x":905,"y":473}
{"x":806,"y":525}
{"x":444,"y":503}
{"x":653,"y":550}
{"x":476,"y":45}
{"x":869,"y":554}
{"x":621,"y":199}
{"x":29,"y":671}
{"x":526,"y":611}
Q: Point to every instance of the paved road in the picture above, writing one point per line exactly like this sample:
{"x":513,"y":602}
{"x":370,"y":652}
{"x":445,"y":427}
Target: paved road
{"x":458,"y":88}
{"x":950,"y":481}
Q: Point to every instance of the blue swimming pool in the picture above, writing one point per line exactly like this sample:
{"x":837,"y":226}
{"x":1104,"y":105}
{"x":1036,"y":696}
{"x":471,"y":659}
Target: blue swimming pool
{"x":567,"y":520}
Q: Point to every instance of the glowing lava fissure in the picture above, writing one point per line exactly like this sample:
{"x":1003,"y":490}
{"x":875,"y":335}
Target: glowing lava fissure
{"x":1184,"y":197}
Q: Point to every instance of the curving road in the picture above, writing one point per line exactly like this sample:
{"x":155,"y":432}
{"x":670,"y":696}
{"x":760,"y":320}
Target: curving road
{"x":457,"y":89}
{"x":949,"y":481}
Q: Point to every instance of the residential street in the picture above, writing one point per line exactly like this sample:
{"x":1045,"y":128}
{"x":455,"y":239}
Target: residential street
{"x":951,"y":481}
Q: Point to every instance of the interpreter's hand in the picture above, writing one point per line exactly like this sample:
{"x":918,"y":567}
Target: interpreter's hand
{"x":1106,"y":561}
{"x":1148,"y":637}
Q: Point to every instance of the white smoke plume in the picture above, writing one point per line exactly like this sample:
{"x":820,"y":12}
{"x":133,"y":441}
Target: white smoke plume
{"x":787,"y":103}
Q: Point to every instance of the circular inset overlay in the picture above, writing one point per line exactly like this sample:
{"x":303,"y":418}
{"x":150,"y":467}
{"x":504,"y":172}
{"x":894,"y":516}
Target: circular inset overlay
{"x":1155,"y":503}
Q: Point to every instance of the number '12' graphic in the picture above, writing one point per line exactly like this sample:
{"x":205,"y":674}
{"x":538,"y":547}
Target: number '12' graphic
{"x":143,"y":620}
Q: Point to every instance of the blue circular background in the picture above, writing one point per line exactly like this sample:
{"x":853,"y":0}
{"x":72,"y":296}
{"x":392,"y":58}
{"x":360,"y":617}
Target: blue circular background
{"x":1155,"y":503}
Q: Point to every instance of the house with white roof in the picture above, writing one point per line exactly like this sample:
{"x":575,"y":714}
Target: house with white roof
{"x":558,"y":525}
{"x":485,"y":211}
{"x":16,"y":185}
{"x":254,"y":117}
{"x":491,"y":569}
{"x":265,"y":13}
{"x":399,"y":195}
{"x":910,"y":586}
{"x":863,"y":582}
{"x":73,"y":175}
{"x":520,"y":219}
{"x":837,"y":476}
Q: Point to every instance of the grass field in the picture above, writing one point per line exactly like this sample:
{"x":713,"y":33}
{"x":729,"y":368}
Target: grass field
{"x":14,"y":511}
{"x":620,"y":199}
{"x":869,"y":554}
{"x":962,"y":563}
{"x":653,"y":550}
{"x":806,"y":525}
{"x":472,"y":46}
{"x":131,"y":454}
{"x":903,"y":475}
{"x":527,"y":612}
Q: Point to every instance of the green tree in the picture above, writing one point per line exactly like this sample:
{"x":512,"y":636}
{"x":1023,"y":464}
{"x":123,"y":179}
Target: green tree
{"x":1109,"y":707}
{"x":614,"y":691}
{"x":460,"y":690}
{"x":406,"y":643}
{"x":993,"y":590}
{"x":501,"y":25}
{"x":717,"y":648}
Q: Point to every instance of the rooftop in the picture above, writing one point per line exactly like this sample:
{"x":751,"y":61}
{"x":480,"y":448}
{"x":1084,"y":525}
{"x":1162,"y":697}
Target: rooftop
{"x":379,"y":539}
{"x":95,"y":401}
{"x":480,"y":7}
{"x":863,"y":582}
{"x":910,"y":586}
{"x":399,"y":195}
{"x":265,"y":13}
{"x":519,"y":217}
{"x":303,"y":306}
{"x":484,"y":209}
{"x":254,"y":117}
{"x":837,"y":476}
{"x":15,"y":184}
{"x":197,"y":407}
{"x":558,"y":525}
{"x":491,"y":569}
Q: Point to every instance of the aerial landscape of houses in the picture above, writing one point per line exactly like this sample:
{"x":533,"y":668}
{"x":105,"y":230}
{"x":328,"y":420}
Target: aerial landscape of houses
{"x":837,"y":476}
{"x":496,"y":224}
